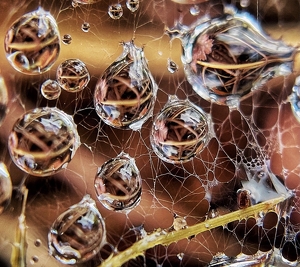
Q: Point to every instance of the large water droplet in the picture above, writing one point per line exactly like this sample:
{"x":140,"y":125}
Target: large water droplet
{"x":67,"y":39}
{"x":43,"y":141}
{"x":115,"y":11}
{"x":126,"y":92}
{"x":118,"y":184}
{"x":72,"y":75}
{"x":32,"y":43}
{"x":78,"y":234}
{"x":180,"y":131}
{"x":5,"y":187}
{"x":226,"y":59}
{"x":133,"y":5}
{"x":50,"y":89}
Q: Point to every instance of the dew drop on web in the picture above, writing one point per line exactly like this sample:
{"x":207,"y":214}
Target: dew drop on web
{"x":133,"y":5}
{"x":244,"y":3}
{"x":172,"y":66}
{"x":43,"y":141}
{"x":118,"y":184}
{"x":32,"y":43}
{"x":72,"y":75}
{"x":66,"y":39}
{"x":50,"y":89}
{"x":5,"y":187}
{"x":180,"y":131}
{"x":115,"y":11}
{"x":85,"y":27}
{"x":195,"y":10}
{"x":78,"y":234}
{"x":125,"y":94}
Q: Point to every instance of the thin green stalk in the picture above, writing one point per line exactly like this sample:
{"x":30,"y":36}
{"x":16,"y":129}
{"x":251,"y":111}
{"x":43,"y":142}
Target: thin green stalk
{"x":163,"y":237}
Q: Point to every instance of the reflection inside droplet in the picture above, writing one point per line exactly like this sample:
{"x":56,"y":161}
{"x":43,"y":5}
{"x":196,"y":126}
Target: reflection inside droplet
{"x":32,"y":43}
{"x":85,"y":27}
{"x":78,"y":234}
{"x":43,"y":141}
{"x":172,"y":66}
{"x":67,"y":39}
{"x":50,"y":89}
{"x":133,"y":5}
{"x":118,"y":184}
{"x":115,"y":11}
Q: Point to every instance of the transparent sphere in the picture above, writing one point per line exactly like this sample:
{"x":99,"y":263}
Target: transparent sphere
{"x":125,"y":94}
{"x":32,"y":43}
{"x":50,"y":89}
{"x":5,"y":187}
{"x":43,"y":141}
{"x":85,"y":27}
{"x":115,"y":11}
{"x":172,"y":66}
{"x":226,"y":59}
{"x":67,"y":39}
{"x":118,"y":184}
{"x":180,"y":131}
{"x":78,"y":234}
{"x":133,"y":5}
{"x":72,"y":75}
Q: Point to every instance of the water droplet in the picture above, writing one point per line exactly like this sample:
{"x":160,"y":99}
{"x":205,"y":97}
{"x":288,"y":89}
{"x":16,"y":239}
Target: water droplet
{"x":243,"y":198}
{"x":67,"y":39}
{"x":50,"y":89}
{"x":180,"y":256}
{"x":133,"y":5}
{"x":78,"y":234}
{"x":3,"y":99}
{"x":118,"y":184}
{"x":179,"y":131}
{"x":32,"y":43}
{"x":226,"y":59}
{"x":172,"y":66}
{"x":195,"y":10}
{"x":72,"y":75}
{"x":244,"y":3}
{"x":38,"y":242}
{"x":34,"y":259}
{"x":115,"y":11}
{"x":43,"y":141}
{"x":5,"y":187}
{"x":126,"y":92}
{"x":179,"y":223}
{"x":85,"y":27}
{"x":75,"y":4}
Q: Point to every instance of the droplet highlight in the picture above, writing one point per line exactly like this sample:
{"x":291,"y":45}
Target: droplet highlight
{"x":78,"y":234}
{"x":43,"y":141}
{"x":5,"y":187}
{"x":118,"y":184}
{"x":72,"y":75}
{"x":50,"y":89}
{"x":115,"y":11}
{"x":32,"y":43}
{"x":180,"y":131}
{"x":125,"y":94}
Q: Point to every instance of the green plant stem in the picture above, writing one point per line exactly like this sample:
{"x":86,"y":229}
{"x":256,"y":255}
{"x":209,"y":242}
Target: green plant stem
{"x":163,"y":237}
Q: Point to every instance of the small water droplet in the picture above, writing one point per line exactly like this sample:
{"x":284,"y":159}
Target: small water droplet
{"x":50,"y":89}
{"x":133,"y":5}
{"x":43,"y":141}
{"x":118,"y":184}
{"x":32,"y":43}
{"x":172,"y":66}
{"x":207,"y":225}
{"x":85,"y":27}
{"x":115,"y":11}
{"x":72,"y":75}
{"x":180,"y":256}
{"x":66,"y":39}
{"x":195,"y":10}
{"x":34,"y":259}
{"x":244,"y":3}
{"x":5,"y":187}
{"x":38,"y":242}
{"x":78,"y":234}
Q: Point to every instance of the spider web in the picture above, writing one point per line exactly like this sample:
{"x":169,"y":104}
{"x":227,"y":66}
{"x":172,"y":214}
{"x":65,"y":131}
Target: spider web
{"x":261,"y":133}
